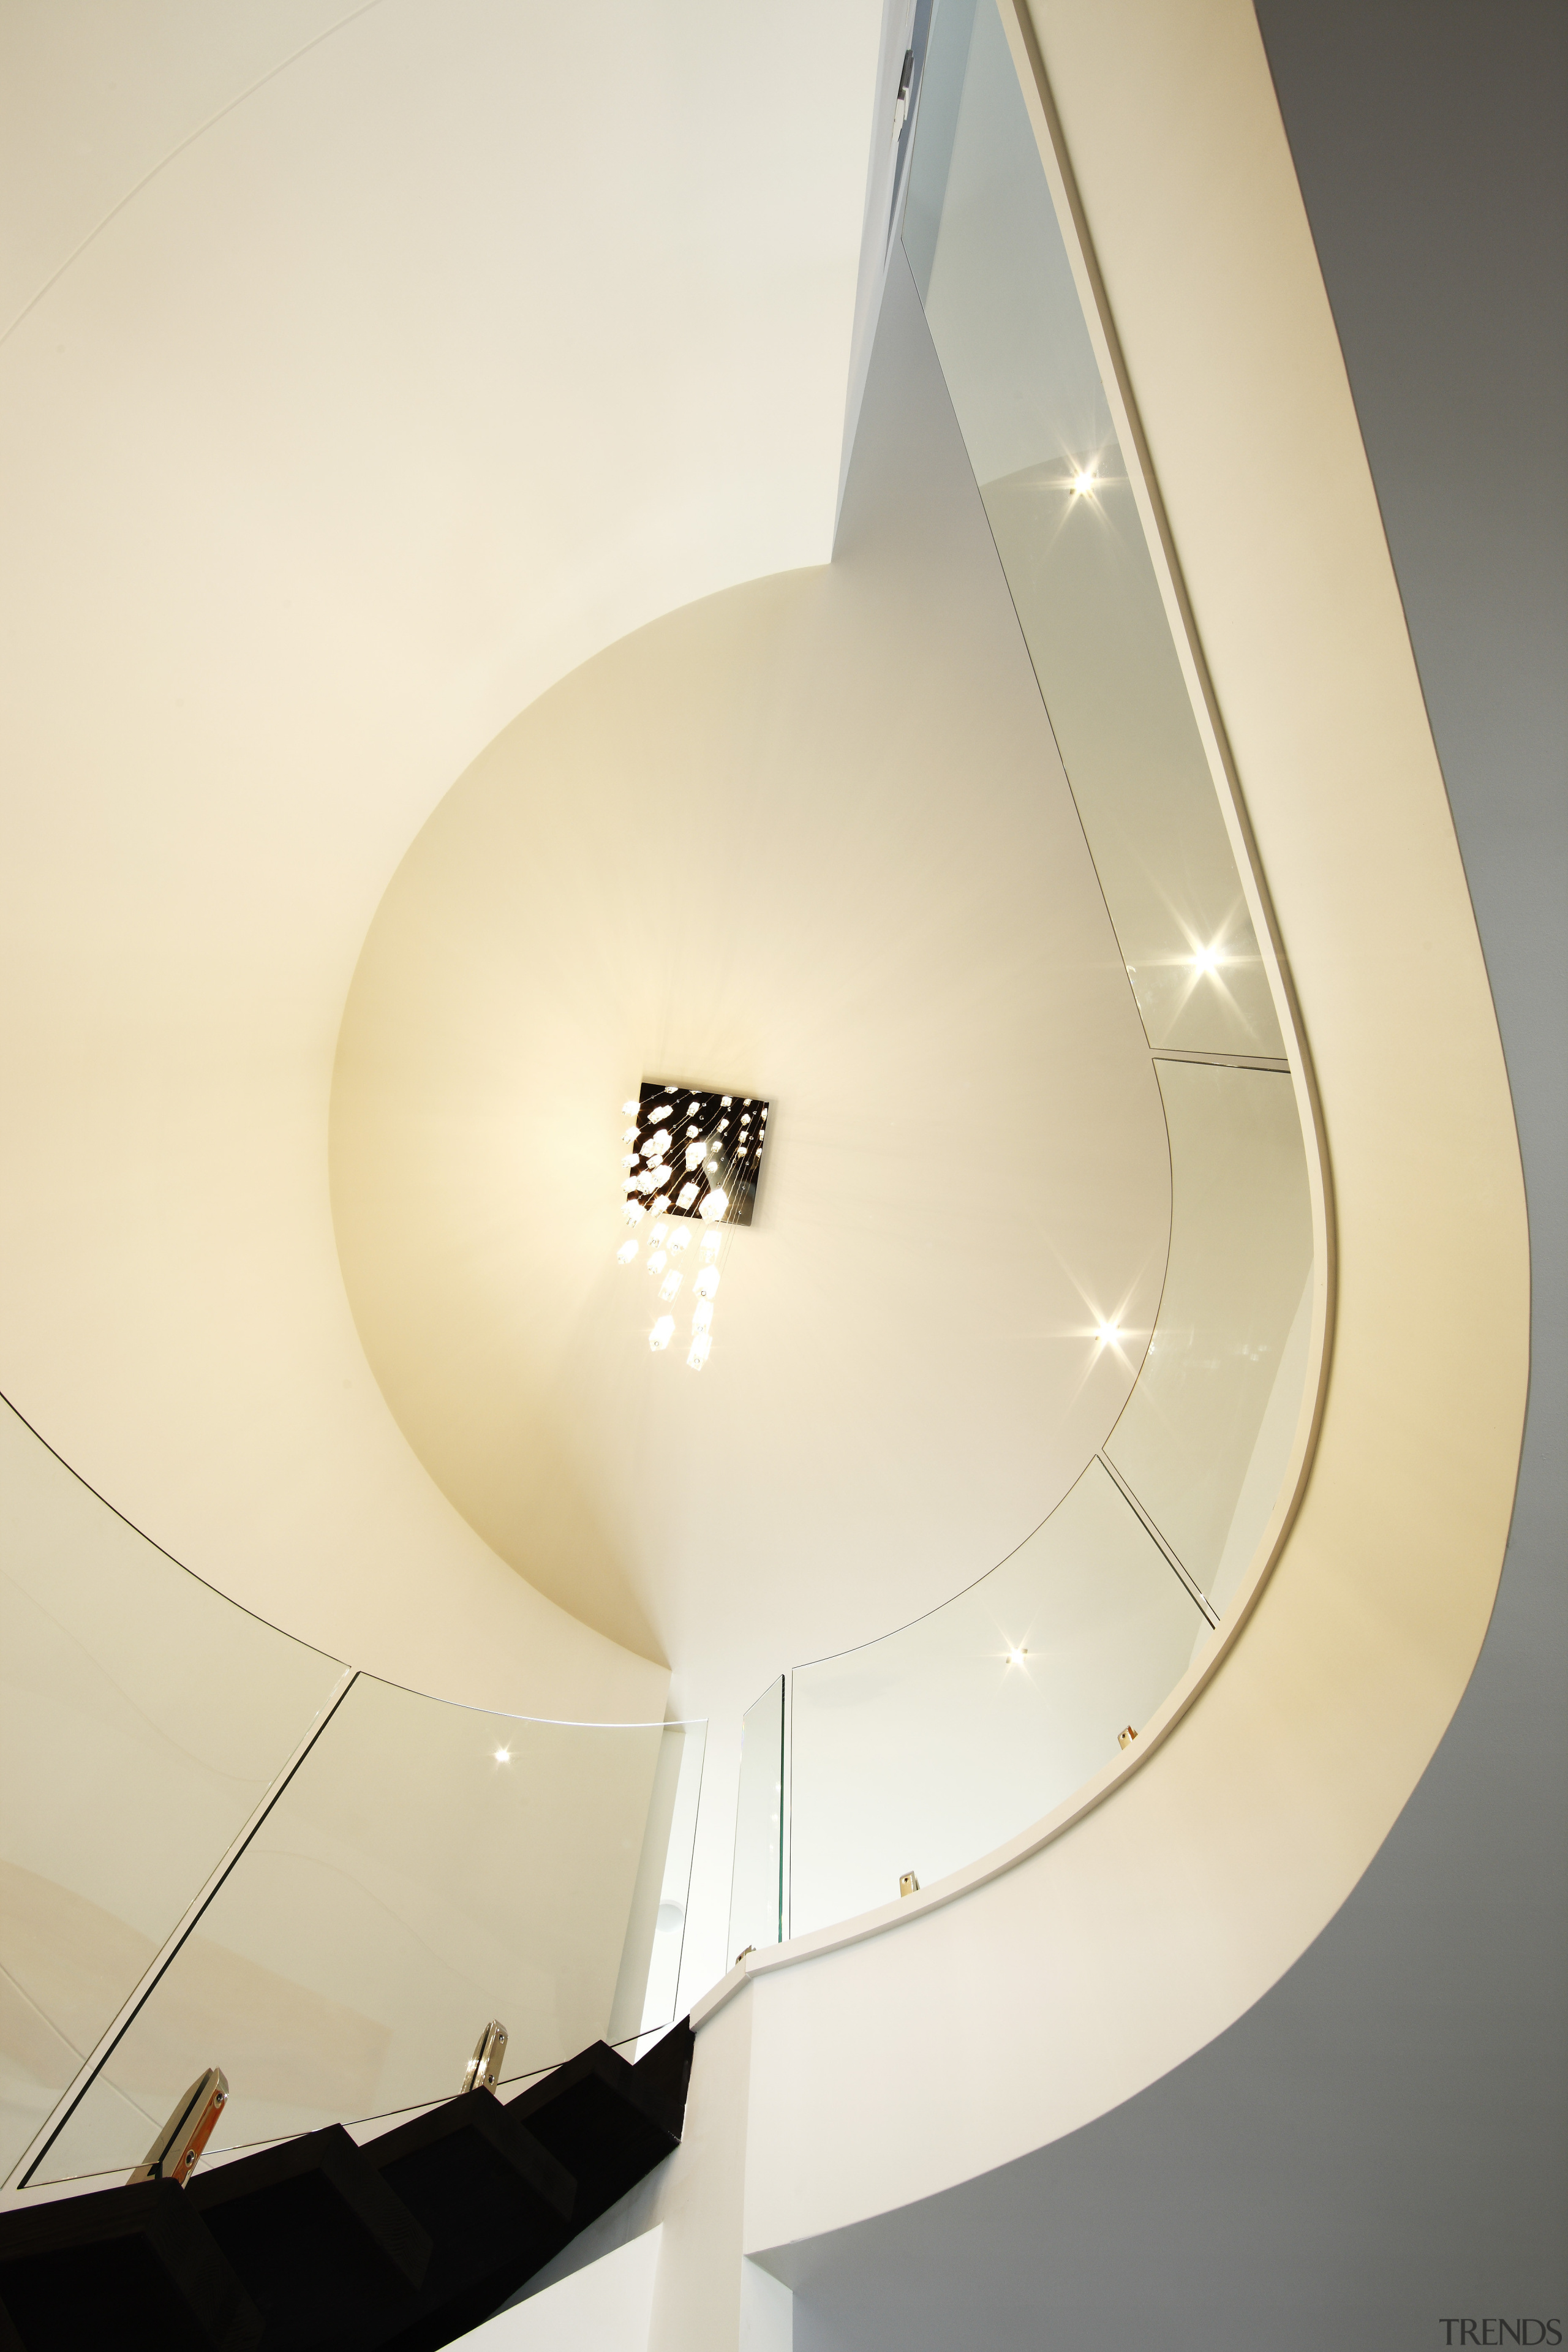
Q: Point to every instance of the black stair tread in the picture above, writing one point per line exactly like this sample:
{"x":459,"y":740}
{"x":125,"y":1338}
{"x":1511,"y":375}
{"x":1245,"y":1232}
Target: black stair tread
{"x":497,"y":2204}
{"x":135,"y":2267}
{"x":605,"y":2121}
{"x":476,"y":2119}
{"x":667,"y":2068}
{"x":401,"y":2244}
{"x":573,"y":2107}
{"x":329,"y":2253}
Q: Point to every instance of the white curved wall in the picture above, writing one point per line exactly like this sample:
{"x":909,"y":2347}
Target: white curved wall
{"x":1118,"y":1948}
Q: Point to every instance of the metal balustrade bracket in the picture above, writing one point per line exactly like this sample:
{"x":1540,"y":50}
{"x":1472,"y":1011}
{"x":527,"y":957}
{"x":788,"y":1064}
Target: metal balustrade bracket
{"x":482,"y":2072}
{"x":177,"y":2150}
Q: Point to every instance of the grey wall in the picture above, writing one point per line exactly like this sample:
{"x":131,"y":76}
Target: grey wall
{"x":1382,"y":2142}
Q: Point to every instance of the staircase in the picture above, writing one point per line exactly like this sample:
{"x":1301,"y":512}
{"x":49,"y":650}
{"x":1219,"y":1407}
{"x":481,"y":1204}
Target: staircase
{"x":405,"y":2241}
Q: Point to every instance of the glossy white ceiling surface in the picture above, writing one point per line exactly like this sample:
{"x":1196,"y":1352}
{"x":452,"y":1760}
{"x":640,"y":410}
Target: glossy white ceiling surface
{"x":366,"y":370}
{"x":811,"y":841}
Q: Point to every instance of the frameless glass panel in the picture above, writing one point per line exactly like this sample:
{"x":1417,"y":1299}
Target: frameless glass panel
{"x":756,"y":1884}
{"x":927,"y":1750}
{"x":426,"y":1868}
{"x":1205,"y":1437}
{"x":143,"y":1719}
{"x":982,"y":239}
{"x":647,"y":1987}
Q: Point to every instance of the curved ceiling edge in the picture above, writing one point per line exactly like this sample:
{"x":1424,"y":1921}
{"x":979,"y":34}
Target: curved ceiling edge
{"x":168,"y":154}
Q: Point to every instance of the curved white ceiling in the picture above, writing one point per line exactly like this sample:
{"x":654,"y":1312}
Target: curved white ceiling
{"x":371,"y":369}
{"x":809,"y":840}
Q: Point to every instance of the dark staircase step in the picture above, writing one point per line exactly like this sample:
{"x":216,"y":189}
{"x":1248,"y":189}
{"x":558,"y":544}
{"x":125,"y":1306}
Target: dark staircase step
{"x":667,"y":2068}
{"x":398,"y":2246}
{"x":496,"y":2203}
{"x":135,"y":2268}
{"x":609,"y":2123}
{"x":325,"y":2249}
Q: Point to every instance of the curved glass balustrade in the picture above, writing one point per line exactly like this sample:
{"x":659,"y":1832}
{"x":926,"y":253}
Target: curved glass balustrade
{"x":144,"y":1720}
{"x":993,"y":273}
{"x":1204,"y":1438}
{"x":220,"y":1846}
{"x":928,"y":1748}
{"x":925,"y":1751}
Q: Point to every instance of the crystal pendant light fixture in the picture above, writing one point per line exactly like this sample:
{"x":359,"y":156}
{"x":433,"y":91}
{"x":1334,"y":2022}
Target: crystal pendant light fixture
{"x":691,"y":1157}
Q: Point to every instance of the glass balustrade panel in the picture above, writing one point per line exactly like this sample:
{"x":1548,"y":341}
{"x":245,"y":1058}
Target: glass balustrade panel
{"x":143,"y":1719}
{"x":981,"y":236}
{"x":647,"y":1986}
{"x":924,"y":1751}
{"x":1204,"y":1438}
{"x":428,"y":1867}
{"x":756,"y":1885}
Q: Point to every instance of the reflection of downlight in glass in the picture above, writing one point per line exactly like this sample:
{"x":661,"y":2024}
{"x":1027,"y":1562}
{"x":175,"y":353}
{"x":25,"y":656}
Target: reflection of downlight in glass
{"x":1205,"y":962}
{"x":1208,"y":963}
{"x":698,"y":1153}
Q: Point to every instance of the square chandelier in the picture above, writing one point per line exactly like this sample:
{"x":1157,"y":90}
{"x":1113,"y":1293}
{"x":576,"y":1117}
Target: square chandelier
{"x":691,"y":1154}
{"x":695,"y":1153}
